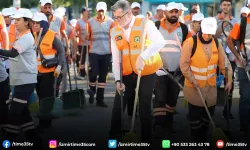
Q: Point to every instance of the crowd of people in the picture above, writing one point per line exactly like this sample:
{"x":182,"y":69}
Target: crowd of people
{"x":35,"y":49}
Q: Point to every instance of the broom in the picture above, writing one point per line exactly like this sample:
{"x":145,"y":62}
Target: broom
{"x":217,"y":134}
{"x":131,"y":135}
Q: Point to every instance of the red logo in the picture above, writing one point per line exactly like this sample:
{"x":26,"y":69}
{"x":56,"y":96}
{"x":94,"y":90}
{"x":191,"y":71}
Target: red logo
{"x":220,"y":144}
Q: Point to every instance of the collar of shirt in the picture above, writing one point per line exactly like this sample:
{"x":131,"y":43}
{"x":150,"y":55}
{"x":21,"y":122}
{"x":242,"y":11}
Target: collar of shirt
{"x":166,"y":28}
{"x":131,"y":24}
{"x":101,"y":20}
{"x":221,"y":17}
{"x":21,"y":34}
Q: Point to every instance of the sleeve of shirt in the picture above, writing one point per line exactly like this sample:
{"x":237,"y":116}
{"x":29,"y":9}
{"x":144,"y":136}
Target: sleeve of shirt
{"x":221,"y":63}
{"x":21,"y":45}
{"x":185,"y":60}
{"x":116,"y":60}
{"x":157,"y":41}
{"x":235,"y":32}
{"x":63,"y":25}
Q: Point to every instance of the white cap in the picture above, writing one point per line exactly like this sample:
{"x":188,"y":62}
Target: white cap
{"x":182,"y":7}
{"x":172,"y":5}
{"x":198,"y":17}
{"x":44,"y":2}
{"x":161,"y":7}
{"x":38,"y":16}
{"x":6,"y":12}
{"x":60,"y":11}
{"x":73,"y":22}
{"x":209,"y":25}
{"x":245,"y":10}
{"x":13,"y":10}
{"x":101,"y":6}
{"x":22,"y":12}
{"x":135,"y":4}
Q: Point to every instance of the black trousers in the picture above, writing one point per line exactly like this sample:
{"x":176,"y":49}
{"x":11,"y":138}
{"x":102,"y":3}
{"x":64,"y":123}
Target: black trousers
{"x":4,"y":97}
{"x":199,"y":122}
{"x":45,"y":89}
{"x":19,"y":116}
{"x":230,"y":96}
{"x":145,"y":96}
{"x":80,"y":63}
{"x":166,"y":95}
{"x":98,"y":67}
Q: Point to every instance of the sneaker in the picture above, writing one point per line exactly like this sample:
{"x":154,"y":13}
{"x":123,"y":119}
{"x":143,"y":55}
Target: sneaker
{"x":101,"y":104}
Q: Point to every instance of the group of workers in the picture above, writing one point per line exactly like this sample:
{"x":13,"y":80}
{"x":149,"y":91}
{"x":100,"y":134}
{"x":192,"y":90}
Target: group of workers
{"x":191,"y":49}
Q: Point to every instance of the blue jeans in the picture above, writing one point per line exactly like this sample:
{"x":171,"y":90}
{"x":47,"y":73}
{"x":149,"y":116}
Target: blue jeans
{"x":244,"y":106}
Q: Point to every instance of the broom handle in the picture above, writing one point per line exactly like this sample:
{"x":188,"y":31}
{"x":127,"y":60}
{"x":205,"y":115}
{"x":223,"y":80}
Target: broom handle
{"x":139,"y":76}
{"x":121,"y":92}
{"x":226,"y":93}
{"x":208,"y":113}
{"x":172,"y":77}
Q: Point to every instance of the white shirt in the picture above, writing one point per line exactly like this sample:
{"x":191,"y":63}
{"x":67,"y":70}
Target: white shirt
{"x":152,"y":33}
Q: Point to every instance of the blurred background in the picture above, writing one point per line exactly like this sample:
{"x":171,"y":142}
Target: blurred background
{"x":74,"y":6}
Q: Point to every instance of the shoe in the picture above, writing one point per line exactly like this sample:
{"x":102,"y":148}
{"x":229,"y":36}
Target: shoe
{"x":91,"y":96}
{"x":231,"y":117}
{"x":101,"y":104}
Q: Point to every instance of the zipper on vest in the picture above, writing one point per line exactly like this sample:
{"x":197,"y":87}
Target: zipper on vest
{"x":130,"y":56}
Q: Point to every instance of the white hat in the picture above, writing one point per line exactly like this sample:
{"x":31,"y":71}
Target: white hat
{"x":6,"y":12}
{"x":182,"y":7}
{"x":172,"y":5}
{"x":73,"y":22}
{"x":245,"y":10}
{"x":13,"y":10}
{"x":135,"y":4}
{"x":60,"y":11}
{"x":198,"y":17}
{"x":22,"y":12}
{"x":38,"y":16}
{"x":161,"y":7}
{"x":209,"y":25}
{"x":101,"y":6}
{"x":44,"y":2}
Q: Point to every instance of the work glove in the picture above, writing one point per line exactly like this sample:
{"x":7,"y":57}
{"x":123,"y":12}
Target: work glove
{"x":57,"y":71}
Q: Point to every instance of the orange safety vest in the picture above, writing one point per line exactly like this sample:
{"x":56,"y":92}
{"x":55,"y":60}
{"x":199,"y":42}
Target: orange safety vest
{"x":12,"y":35}
{"x":47,"y":50}
{"x":132,"y":49}
{"x":204,"y":71}
{"x":1,"y":24}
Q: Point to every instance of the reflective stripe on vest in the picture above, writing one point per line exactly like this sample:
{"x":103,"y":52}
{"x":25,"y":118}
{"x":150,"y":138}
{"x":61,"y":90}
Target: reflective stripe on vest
{"x":132,"y":49}
{"x":47,"y":50}
{"x":12,"y":35}
{"x":204,"y":71}
{"x":1,"y":38}
{"x":100,"y":36}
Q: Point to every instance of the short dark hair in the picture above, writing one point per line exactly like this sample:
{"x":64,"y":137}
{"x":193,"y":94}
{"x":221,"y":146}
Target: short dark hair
{"x":122,"y":4}
{"x":193,"y":11}
{"x":221,"y":1}
{"x":83,"y":9}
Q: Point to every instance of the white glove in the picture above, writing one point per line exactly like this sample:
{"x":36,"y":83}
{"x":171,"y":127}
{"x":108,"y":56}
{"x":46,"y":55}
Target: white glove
{"x":57,"y":71}
{"x":161,"y":73}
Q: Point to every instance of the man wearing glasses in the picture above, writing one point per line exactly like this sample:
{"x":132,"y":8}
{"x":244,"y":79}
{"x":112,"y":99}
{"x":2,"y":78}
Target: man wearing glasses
{"x":126,"y":38}
{"x":196,"y":23}
{"x":99,"y":53}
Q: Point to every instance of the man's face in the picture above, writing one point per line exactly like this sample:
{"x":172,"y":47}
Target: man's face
{"x":160,"y":13}
{"x":136,"y":11}
{"x":122,"y":17}
{"x":7,"y":20}
{"x":196,"y":7}
{"x":85,"y":14}
{"x":100,"y":13}
{"x":196,"y":25}
{"x":172,"y":15}
{"x":226,"y":7}
{"x":47,"y":9}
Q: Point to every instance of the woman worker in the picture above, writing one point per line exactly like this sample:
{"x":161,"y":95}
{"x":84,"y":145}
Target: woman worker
{"x":23,"y":76}
{"x":50,"y":47}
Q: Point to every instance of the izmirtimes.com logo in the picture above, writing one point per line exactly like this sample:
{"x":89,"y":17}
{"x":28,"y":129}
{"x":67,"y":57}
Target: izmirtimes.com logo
{"x":6,"y":144}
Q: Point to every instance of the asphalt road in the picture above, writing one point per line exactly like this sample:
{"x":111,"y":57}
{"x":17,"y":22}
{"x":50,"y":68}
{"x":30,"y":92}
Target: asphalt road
{"x":91,"y":124}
